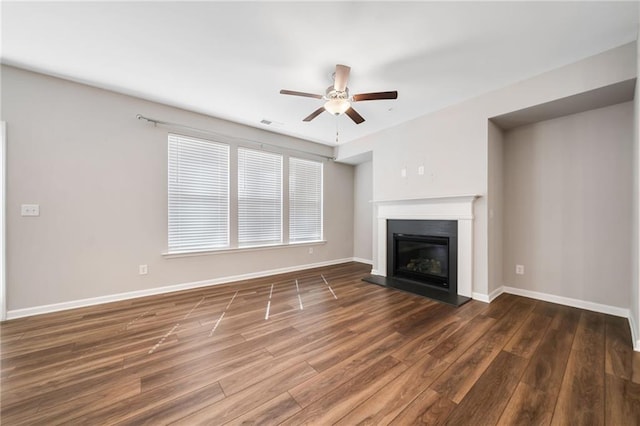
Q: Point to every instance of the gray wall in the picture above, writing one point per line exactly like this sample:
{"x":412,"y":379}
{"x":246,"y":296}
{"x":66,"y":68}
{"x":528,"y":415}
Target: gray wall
{"x":99,"y":175}
{"x":567,"y":215}
{"x":363,"y":209}
{"x":495,"y":191}
{"x":452,"y":143}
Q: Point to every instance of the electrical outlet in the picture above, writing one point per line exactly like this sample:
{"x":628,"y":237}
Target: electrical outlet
{"x":30,"y":210}
{"x":403,"y":172}
{"x":421,"y":170}
{"x":143,"y":269}
{"x":520,"y":269}
{"x":310,"y":250}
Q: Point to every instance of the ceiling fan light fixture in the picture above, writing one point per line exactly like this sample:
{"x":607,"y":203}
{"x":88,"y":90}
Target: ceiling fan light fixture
{"x":337,"y":106}
{"x":338,"y":100}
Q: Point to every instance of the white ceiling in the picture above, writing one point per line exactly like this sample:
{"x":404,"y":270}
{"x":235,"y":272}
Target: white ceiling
{"x":230,"y":59}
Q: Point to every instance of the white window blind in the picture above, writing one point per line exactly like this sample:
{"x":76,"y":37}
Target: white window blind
{"x":259,"y":197}
{"x":305,"y":200}
{"x":198,"y":194}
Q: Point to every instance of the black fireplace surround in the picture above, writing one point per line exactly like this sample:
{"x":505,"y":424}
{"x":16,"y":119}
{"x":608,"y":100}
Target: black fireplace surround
{"x":422,"y":258}
{"x":424,"y":241}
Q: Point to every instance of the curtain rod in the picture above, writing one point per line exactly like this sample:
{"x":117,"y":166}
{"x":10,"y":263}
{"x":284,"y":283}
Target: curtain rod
{"x":220,"y":135}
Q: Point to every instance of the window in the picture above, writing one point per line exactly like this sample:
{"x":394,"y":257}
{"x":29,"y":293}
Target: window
{"x":210,"y":210}
{"x":259,"y":198}
{"x":305,"y":200}
{"x":198,"y":194}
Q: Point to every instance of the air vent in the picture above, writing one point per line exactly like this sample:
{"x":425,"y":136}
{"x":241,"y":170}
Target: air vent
{"x":271,"y":123}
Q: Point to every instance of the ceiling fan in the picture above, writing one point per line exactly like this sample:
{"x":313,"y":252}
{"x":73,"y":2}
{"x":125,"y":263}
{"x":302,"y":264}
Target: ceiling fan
{"x":337,"y":97}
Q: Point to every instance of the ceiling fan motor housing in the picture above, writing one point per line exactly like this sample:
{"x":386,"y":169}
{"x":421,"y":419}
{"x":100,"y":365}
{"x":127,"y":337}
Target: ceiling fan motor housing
{"x":337,"y":97}
{"x":332,"y":93}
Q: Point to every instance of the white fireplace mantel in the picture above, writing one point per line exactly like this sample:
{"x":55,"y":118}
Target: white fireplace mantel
{"x":457,"y":207}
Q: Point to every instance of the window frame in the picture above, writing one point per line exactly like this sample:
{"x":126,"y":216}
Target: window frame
{"x":173,"y":172}
{"x":233,"y":244}
{"x":320,"y":202}
{"x":279,"y":239}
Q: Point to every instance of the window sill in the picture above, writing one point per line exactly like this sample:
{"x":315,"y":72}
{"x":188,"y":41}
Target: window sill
{"x":175,"y":254}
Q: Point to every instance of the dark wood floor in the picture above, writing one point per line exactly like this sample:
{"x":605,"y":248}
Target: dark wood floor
{"x":269,"y":351}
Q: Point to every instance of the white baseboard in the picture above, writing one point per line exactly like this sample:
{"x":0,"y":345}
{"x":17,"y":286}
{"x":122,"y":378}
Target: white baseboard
{"x":568,"y":301}
{"x":634,"y":334}
{"x":582,"y":304}
{"x":481,"y":297}
{"x":487,"y":298}
{"x":45,"y":309}
{"x":576,"y":303}
{"x":361,"y":260}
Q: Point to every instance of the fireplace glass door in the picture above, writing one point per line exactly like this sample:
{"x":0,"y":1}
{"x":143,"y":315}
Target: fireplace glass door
{"x":422,"y":258}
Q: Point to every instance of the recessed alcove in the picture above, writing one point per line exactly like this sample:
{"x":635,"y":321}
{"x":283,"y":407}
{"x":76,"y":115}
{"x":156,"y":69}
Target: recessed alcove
{"x":559,"y":186}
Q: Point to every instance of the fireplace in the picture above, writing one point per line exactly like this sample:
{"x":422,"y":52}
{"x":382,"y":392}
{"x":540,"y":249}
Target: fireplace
{"x":457,"y":211}
{"x":425,"y":252}
{"x":422,"y":258}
